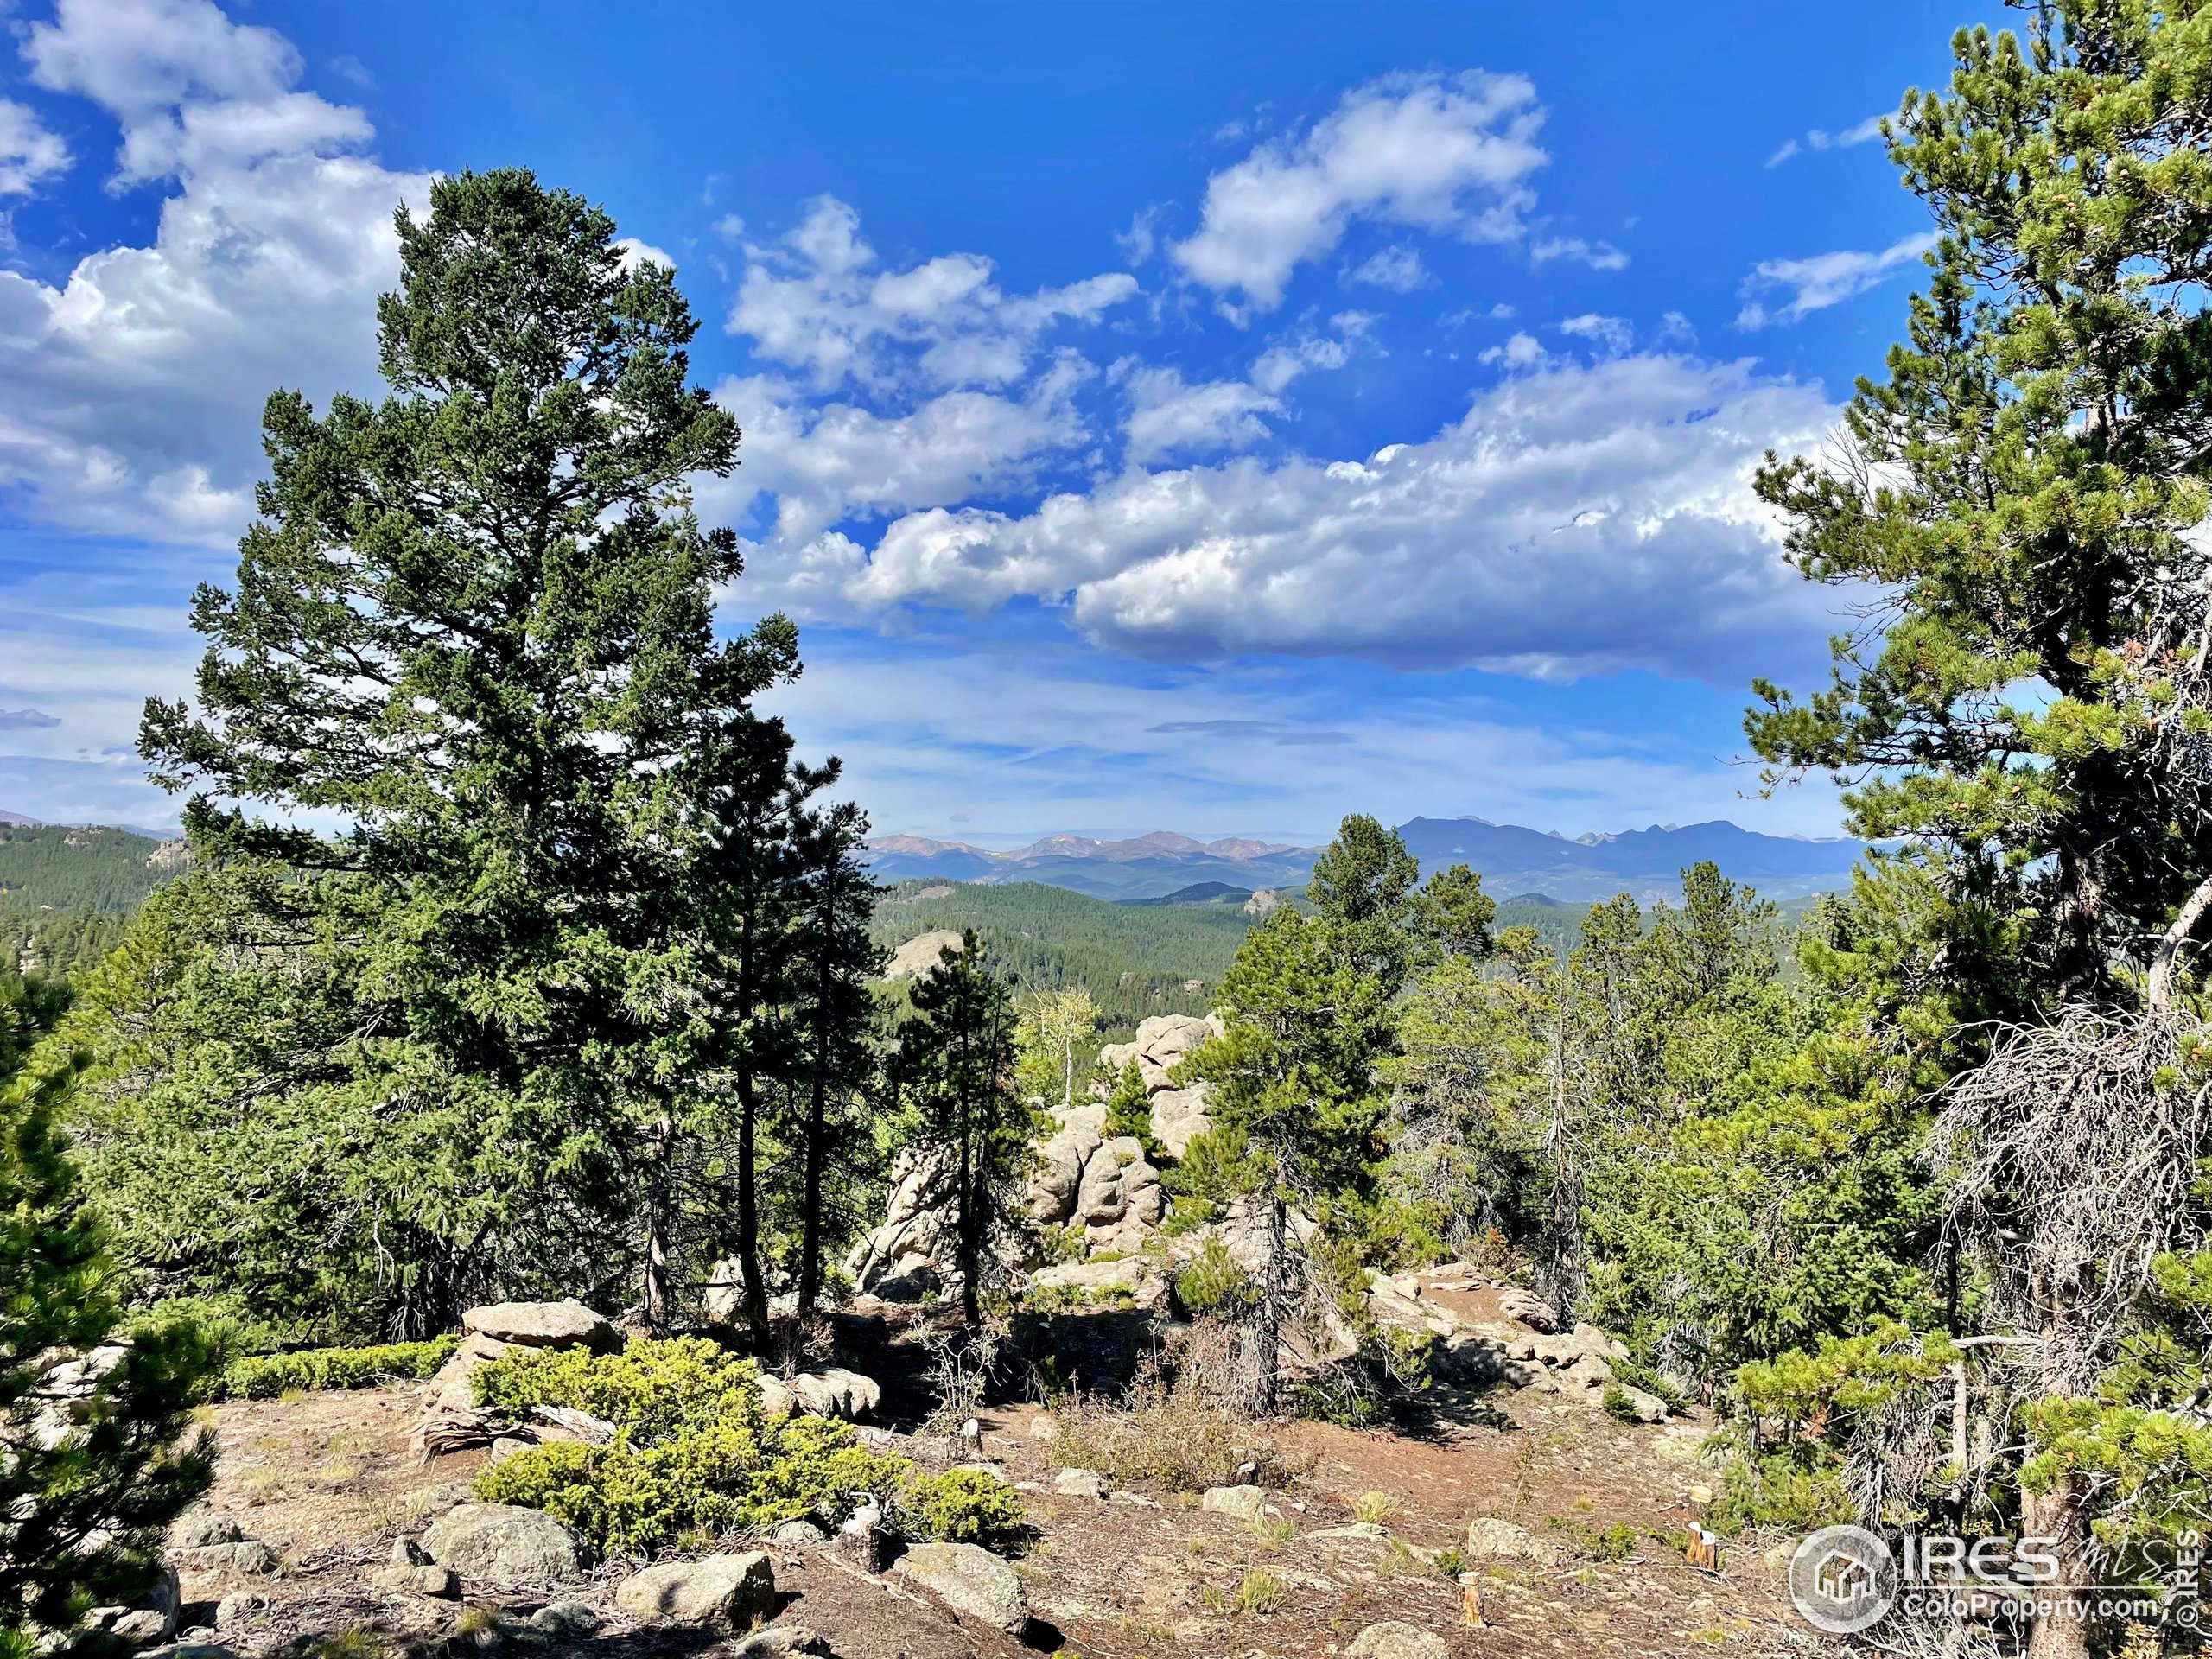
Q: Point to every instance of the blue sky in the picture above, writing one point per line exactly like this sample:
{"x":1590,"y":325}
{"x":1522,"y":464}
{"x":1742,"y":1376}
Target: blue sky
{"x":1219,"y":417}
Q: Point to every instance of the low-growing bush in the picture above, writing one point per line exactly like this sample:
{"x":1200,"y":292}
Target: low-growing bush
{"x":1653,"y":1382}
{"x":694,"y":1452}
{"x":962,"y":1506}
{"x":1614,"y":1543}
{"x":265,"y":1376}
{"x":1213,"y":1285}
{"x":1160,"y":1438}
{"x":1618,"y":1406}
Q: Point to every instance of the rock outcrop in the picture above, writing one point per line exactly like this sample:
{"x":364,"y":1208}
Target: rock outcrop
{"x":911,"y":1253}
{"x":1179,"y":1114}
{"x":732,"y":1591}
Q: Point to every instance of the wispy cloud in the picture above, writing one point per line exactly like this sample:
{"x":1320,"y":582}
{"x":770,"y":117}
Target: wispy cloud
{"x":1819,"y":138}
{"x":1824,"y":280}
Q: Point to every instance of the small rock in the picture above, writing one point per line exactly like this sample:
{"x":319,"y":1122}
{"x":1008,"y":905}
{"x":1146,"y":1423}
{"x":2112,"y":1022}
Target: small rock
{"x":503,"y":1543}
{"x":1647,"y":1408}
{"x":1528,"y":1307}
{"x":969,"y":1579}
{"x":1044,"y":1427}
{"x":776,"y":1399}
{"x":567,"y":1323}
{"x":247,"y":1555}
{"x":1394,"y":1639}
{"x":142,"y":1626}
{"x":1243,"y":1503}
{"x":729,"y":1590}
{"x":1081,"y":1483}
{"x":424,"y":1580}
{"x":798,"y":1535}
{"x":1135,"y":1500}
{"x":506,"y":1447}
{"x":1700,"y":1494}
{"x":1362,"y":1529}
{"x":565,"y":1619}
{"x":199,"y":1531}
{"x":778,"y":1640}
{"x":1590,"y":1371}
{"x":1492,"y":1539}
{"x":240,"y":1607}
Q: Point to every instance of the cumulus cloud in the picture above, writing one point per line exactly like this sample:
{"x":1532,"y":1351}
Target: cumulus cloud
{"x":129,"y":393}
{"x":1581,"y":518}
{"x":1824,"y":280}
{"x":1444,"y":154}
{"x":1167,"y":417}
{"x":823,"y":464}
{"x":26,"y":720}
{"x":818,"y":301}
{"x":29,"y":154}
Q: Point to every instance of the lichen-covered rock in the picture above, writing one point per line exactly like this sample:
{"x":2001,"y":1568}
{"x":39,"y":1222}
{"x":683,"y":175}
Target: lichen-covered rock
{"x":1238,"y":1503}
{"x":727,"y":1590}
{"x":969,"y":1579}
{"x":1081,"y":1483}
{"x":1492,"y":1539}
{"x":834,"y":1393}
{"x":566,"y":1323}
{"x":570,"y":1618}
{"x":1394,"y":1639}
{"x":503,"y":1543}
{"x":426,"y":1579}
{"x":1092,"y":1278}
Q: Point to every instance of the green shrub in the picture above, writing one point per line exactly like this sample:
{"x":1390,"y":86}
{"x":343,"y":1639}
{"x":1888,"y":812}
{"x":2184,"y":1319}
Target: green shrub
{"x":1653,"y":1382}
{"x":1213,"y":1286}
{"x":962,"y":1506}
{"x":694,"y":1453}
{"x":1614,"y":1543}
{"x":1786,"y":1489}
{"x":1617,"y":1404}
{"x":265,"y":1376}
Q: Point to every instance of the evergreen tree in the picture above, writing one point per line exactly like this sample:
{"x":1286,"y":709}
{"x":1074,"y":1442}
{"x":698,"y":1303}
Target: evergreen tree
{"x":1294,"y":1091}
{"x":957,"y":1058}
{"x":474,"y":623}
{"x":2028,"y":485}
{"x":834,"y":1019}
{"x":88,"y":1485}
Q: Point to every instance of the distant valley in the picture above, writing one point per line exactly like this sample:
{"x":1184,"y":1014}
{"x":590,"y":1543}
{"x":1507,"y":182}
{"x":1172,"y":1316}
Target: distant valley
{"x":1513,"y":861}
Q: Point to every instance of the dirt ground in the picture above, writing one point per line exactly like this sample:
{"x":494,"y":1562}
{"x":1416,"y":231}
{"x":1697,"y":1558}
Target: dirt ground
{"x":324,"y":1479}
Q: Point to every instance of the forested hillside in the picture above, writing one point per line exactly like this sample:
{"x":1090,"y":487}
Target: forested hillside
{"x":49,"y":866}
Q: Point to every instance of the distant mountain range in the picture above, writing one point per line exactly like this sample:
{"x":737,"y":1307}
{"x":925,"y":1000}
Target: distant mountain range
{"x":1647,"y":863}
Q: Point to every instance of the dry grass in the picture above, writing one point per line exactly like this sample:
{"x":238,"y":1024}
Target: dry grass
{"x":1160,"y":1439}
{"x":1376,"y":1508}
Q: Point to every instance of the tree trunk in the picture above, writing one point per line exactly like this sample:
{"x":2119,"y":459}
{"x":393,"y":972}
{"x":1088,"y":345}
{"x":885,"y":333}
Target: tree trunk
{"x":971,"y":1253}
{"x":814,"y":1152}
{"x":2055,"y":1515}
{"x":1273,"y":1294}
{"x":748,"y":1214}
{"x":658,"y":1296}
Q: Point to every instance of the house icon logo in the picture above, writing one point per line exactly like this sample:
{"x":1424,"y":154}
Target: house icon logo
{"x":1842,"y":1579}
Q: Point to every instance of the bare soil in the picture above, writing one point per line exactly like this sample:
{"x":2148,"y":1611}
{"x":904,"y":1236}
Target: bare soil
{"x":324,"y":1480}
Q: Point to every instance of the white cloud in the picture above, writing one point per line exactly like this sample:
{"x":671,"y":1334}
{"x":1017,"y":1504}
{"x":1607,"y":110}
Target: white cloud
{"x":819,"y":301}
{"x":636,"y":252}
{"x":1168,"y":417}
{"x":131,"y":394}
{"x":1824,"y":280}
{"x":1862,"y":132}
{"x":1443,"y":153}
{"x":1521,"y":350}
{"x":1598,"y":256}
{"x":1397,"y":268}
{"x":1580,"y":519}
{"x":822,"y":465}
{"x":1611,"y":334}
{"x":29,"y":154}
